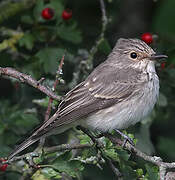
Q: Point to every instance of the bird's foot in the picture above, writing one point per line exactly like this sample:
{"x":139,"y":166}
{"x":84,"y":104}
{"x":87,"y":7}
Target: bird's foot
{"x":126,"y":138}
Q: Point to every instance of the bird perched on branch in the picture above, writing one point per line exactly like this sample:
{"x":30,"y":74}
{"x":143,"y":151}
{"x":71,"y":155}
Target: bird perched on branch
{"x":117,"y":94}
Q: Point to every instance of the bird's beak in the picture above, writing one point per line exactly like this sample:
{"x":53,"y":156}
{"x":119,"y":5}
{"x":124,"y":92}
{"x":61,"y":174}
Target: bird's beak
{"x":155,"y":57}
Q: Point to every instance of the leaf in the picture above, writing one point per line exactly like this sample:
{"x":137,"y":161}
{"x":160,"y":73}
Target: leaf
{"x":123,"y":155}
{"x":38,"y":176}
{"x":64,"y":164}
{"x":84,"y":139}
{"x":152,"y":172}
{"x":128,"y":173}
{"x":27,"y":19}
{"x":27,"y":40}
{"x":49,"y":58}
{"x":57,"y":6}
{"x":51,"y":173}
{"x":112,"y":154}
{"x":38,"y":9}
{"x":69,"y":33}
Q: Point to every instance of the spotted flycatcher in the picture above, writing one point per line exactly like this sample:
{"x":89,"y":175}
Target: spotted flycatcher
{"x":117,"y":94}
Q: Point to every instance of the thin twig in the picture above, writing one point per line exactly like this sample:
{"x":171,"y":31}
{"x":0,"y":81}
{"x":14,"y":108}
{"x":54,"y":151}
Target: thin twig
{"x":87,"y":65}
{"x":63,"y":147}
{"x":48,"y":111}
{"x":52,"y":149}
{"x":103,"y":29}
{"x":49,"y":107}
{"x":24,"y":78}
{"x":114,"y":169}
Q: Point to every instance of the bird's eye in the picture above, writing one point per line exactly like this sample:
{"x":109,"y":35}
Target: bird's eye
{"x":133,"y":55}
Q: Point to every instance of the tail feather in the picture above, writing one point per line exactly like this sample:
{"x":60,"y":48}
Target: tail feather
{"x":39,"y":132}
{"x":22,"y":146}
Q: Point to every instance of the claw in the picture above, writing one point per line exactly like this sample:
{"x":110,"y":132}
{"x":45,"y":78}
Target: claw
{"x":126,"y":138}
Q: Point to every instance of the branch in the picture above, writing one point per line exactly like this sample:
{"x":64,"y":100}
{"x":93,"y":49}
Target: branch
{"x":163,"y":166}
{"x":64,"y":147}
{"x":28,"y":80}
{"x":114,"y":169}
{"x":52,"y":149}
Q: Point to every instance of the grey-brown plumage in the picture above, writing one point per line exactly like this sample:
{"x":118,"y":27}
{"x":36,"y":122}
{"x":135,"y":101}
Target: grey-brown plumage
{"x":118,"y":93}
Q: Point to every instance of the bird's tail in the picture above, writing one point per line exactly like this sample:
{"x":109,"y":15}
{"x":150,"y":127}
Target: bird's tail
{"x":41,"y":131}
{"x":22,"y":146}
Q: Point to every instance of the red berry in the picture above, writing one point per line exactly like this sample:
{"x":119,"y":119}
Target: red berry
{"x":163,"y":65}
{"x":3,"y":167}
{"x":47,"y":13}
{"x":147,"y":37}
{"x":67,"y":14}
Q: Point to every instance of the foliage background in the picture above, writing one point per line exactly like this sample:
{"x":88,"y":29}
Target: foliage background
{"x":35,"y":46}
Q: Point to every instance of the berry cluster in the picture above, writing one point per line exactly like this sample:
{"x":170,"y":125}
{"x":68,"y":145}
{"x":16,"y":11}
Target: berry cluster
{"x":48,"y":13}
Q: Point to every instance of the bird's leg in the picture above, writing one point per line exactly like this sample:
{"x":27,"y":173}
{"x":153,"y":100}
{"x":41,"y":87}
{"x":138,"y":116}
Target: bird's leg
{"x":126,"y":138}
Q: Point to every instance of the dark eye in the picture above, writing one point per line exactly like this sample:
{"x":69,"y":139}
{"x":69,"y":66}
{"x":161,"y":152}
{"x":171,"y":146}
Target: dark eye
{"x":133,"y":55}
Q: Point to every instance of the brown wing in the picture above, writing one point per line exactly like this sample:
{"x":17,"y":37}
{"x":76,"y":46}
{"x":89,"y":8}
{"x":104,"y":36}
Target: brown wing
{"x":104,"y":87}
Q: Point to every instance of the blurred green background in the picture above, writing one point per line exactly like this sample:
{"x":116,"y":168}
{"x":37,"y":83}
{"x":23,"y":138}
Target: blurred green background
{"x":33,"y":45}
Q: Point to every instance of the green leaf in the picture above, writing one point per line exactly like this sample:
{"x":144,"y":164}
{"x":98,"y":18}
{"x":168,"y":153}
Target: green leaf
{"x":84,"y":139}
{"x":64,"y":164}
{"x":27,"y":40}
{"x":57,"y":6}
{"x":69,"y":33}
{"x":139,"y":172}
{"x":123,"y":154}
{"x":38,"y":176}
{"x":51,"y":173}
{"x":38,"y":9}
{"x":152,"y":172}
{"x":49,"y":58}
{"x":27,"y":19}
{"x":112,"y":154}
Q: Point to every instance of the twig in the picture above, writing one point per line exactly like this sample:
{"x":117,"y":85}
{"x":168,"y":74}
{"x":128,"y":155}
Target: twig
{"x":24,"y":78}
{"x":48,"y":111}
{"x":52,"y":149}
{"x":87,"y":65}
{"x":114,"y":169}
{"x":63,"y":147}
{"x":49,"y":107}
{"x":103,"y":29}
{"x":162,"y":172}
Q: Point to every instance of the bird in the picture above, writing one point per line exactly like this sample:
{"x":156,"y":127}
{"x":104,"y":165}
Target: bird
{"x":118,"y":93}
